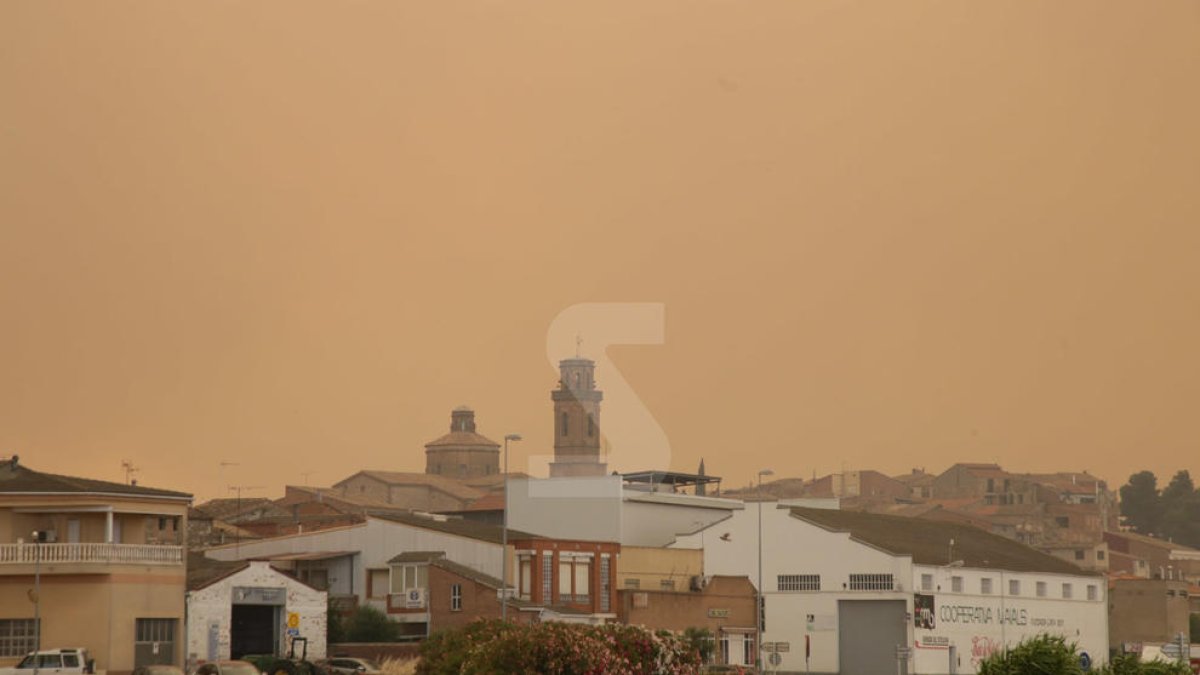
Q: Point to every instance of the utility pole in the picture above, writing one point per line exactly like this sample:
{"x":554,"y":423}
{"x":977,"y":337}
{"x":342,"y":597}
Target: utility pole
{"x":761,"y":607}
{"x":504,"y":535}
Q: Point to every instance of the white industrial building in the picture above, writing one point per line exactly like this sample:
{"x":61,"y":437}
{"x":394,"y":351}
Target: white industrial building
{"x":866,"y":594}
{"x":252,"y":608}
{"x":611,"y":508}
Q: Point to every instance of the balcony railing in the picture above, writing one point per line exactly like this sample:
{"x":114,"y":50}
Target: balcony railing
{"x":135,"y":554}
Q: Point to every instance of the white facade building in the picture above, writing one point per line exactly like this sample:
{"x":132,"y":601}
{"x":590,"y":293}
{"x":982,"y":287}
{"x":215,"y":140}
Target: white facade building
{"x":353,"y":560}
{"x":846,"y":589}
{"x":253,"y":610}
{"x":604,"y":508}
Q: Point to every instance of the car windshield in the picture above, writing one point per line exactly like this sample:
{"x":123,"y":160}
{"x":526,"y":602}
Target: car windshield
{"x":239,"y":669}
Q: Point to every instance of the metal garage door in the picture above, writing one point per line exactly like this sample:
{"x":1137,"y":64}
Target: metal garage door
{"x":868,"y":633}
{"x":154,"y":642}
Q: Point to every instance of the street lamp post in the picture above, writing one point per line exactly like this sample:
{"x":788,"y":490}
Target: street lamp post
{"x":758,"y":614}
{"x":37,"y":599}
{"x":504,"y":535}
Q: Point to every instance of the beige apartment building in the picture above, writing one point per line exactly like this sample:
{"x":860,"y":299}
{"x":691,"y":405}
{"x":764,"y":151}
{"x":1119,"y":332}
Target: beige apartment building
{"x":111,"y":565}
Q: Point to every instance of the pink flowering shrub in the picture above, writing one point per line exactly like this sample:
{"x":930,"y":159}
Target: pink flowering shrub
{"x":486,"y":647}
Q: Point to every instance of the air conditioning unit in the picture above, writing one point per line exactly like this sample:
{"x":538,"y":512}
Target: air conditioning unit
{"x":698,"y":582}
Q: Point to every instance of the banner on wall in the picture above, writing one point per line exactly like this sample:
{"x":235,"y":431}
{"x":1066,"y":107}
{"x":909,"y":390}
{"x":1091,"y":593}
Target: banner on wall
{"x":923,"y":611}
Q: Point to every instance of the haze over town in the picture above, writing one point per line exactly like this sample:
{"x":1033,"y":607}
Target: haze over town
{"x":869,"y":254}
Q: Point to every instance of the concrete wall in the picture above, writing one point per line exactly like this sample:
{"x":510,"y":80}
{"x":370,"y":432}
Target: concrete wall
{"x":214,"y":605}
{"x":99,"y":611}
{"x":600,"y":509}
{"x":651,"y":566}
{"x":1148,"y":610}
{"x":730,"y":599}
{"x":653,"y":519}
{"x":567,"y":508}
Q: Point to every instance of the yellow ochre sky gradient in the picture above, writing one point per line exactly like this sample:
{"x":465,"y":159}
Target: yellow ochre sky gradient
{"x":294,"y":235}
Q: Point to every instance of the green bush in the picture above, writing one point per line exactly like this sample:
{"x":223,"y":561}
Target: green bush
{"x":701,"y":640}
{"x":1048,"y":654}
{"x":368,"y":624}
{"x":1130,"y":664}
{"x":487,"y":647}
{"x":1053,"y":655}
{"x":335,"y":631}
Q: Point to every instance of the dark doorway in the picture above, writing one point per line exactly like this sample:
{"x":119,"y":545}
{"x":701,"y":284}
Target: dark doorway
{"x":253,"y":630}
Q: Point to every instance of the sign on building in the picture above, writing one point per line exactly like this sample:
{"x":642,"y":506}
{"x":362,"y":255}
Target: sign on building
{"x":257,"y":595}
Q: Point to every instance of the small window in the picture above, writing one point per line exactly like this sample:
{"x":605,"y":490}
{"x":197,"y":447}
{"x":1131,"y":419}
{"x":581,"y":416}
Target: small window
{"x":1014,"y":587}
{"x":1079,"y":554}
{"x":1062,"y":521}
{"x":70,"y":660}
{"x":456,"y":598}
{"x":1100,"y":554}
{"x":927,"y":582}
{"x":1092,"y":592}
{"x":633,"y":583}
{"x":666,"y":585}
{"x":956,"y":584}
{"x":17,"y":637}
{"x":798,"y":582}
{"x":591,"y":426}
{"x":1041,"y":589}
{"x":564,"y":424}
{"x":1067,"y":591}
{"x":871,"y":582}
{"x":49,"y":661}
{"x":985,"y":586}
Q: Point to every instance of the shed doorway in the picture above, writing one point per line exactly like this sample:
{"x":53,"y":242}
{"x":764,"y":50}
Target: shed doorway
{"x":254,"y":629}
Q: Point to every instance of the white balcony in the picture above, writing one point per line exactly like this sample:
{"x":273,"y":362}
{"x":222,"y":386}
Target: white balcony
{"x":106,"y":554}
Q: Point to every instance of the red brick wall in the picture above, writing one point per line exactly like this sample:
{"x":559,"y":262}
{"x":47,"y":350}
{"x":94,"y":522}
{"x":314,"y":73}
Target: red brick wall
{"x":479,"y":601}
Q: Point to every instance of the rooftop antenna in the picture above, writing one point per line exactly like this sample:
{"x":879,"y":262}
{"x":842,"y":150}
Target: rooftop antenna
{"x":130,"y":469}
{"x":237,"y":548}
{"x":306,"y":474}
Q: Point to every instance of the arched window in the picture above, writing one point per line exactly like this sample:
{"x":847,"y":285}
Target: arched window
{"x":564,"y":424}
{"x":576,"y":380}
{"x":591,"y":426}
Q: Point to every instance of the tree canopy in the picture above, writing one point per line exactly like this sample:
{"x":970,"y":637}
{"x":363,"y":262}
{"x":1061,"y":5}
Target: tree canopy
{"x":1171,"y":513}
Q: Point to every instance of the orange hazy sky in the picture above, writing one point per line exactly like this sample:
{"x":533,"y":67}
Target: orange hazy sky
{"x":294,"y":235}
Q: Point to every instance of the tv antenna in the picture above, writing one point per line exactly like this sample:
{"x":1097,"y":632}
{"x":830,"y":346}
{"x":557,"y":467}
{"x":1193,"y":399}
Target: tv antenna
{"x":130,"y":469}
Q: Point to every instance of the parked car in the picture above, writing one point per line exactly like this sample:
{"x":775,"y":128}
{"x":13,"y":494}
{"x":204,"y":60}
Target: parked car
{"x":225,"y":668}
{"x":346,"y":665}
{"x":158,"y":669}
{"x":66,"y":661}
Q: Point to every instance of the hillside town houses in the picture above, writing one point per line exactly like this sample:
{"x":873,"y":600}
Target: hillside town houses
{"x":853,"y":572}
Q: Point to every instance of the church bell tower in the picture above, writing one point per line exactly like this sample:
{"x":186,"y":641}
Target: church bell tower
{"x":577,"y":420}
